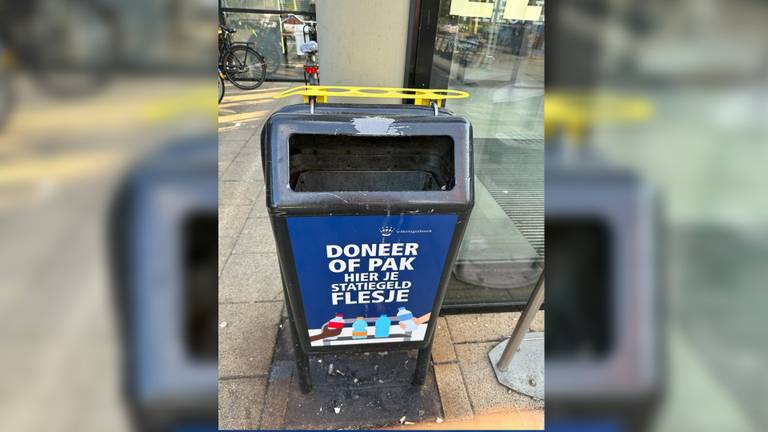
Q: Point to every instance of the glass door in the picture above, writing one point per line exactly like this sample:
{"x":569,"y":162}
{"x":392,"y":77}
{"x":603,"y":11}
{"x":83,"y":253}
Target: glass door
{"x":495,"y":51}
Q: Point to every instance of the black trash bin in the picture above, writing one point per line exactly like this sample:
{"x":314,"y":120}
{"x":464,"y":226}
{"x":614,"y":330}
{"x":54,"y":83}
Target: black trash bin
{"x":368,"y":205}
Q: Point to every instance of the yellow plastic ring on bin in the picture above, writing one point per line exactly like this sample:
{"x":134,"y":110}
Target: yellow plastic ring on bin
{"x":420,"y":96}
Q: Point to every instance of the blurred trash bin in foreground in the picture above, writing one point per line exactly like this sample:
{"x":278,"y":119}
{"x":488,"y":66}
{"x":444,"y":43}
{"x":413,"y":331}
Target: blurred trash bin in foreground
{"x":164,"y":244}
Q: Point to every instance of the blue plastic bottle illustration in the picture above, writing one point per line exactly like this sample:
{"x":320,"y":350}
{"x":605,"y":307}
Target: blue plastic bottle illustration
{"x":359,"y":328}
{"x":382,"y":326}
{"x":406,"y":318}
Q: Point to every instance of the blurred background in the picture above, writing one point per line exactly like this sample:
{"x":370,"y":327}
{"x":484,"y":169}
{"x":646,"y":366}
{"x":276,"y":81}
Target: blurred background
{"x":655,"y":234}
{"x":655,"y":214}
{"x":90,"y":92}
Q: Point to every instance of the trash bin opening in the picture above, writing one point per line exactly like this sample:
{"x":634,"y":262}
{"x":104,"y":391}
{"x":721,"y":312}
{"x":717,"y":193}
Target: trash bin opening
{"x":343,"y":163}
{"x":200,"y":270}
{"x":579,"y":289}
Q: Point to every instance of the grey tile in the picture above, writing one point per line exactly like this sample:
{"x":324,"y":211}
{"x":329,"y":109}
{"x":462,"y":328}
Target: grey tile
{"x":538,"y":322}
{"x":249,"y":278}
{"x":278,"y":394}
{"x":250,"y":156}
{"x":230,"y":147}
{"x":481,"y":327}
{"x":247,"y":341}
{"x":240,"y":192}
{"x":224,"y":162}
{"x":240,"y":133}
{"x":232,"y":218}
{"x":259,"y":210}
{"x":241,"y":402}
{"x":442,"y":348}
{"x":453,"y":395}
{"x":258,"y":226}
{"x":253,"y":244}
{"x":226,"y":244}
{"x":485,"y":392}
{"x":242,"y":171}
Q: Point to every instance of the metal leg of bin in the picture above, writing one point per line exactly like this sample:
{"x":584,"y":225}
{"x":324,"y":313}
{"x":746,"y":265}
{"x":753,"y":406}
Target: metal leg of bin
{"x":422,"y":365}
{"x":302,"y":358}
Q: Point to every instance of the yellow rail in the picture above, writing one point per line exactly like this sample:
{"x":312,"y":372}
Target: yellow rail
{"x":575,"y":113}
{"x":420,"y":96}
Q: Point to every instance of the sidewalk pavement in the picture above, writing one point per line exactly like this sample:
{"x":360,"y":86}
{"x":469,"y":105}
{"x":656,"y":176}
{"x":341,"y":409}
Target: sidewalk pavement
{"x":251,"y":299}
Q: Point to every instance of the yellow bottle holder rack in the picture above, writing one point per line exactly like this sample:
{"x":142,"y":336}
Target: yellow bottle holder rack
{"x":575,"y":113}
{"x":424,"y":97}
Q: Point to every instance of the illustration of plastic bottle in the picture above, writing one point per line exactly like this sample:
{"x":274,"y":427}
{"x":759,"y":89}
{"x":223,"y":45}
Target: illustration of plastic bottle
{"x":406,"y":317}
{"x":359,"y":329}
{"x":337,"y":322}
{"x":382,"y":326}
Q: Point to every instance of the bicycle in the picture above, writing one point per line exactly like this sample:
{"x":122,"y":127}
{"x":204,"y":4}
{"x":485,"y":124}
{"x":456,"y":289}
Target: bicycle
{"x":311,"y":67}
{"x":68,"y":47}
{"x":220,"y":74}
{"x":242,"y":65}
{"x":268,"y":40}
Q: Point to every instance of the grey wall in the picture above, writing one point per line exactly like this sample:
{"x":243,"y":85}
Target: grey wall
{"x":362,"y":42}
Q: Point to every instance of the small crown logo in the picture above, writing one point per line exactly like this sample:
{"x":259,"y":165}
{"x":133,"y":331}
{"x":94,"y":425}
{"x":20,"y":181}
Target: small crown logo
{"x":386,"y":231}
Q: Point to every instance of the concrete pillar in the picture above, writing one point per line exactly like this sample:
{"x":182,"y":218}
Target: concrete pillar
{"x":362,"y":42}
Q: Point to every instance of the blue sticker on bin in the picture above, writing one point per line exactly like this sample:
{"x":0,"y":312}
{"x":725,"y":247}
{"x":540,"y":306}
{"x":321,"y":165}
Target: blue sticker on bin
{"x":369,"y":279}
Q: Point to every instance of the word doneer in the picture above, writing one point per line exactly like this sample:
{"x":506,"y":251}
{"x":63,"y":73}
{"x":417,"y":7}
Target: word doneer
{"x":376,"y":253}
{"x":362,"y":288}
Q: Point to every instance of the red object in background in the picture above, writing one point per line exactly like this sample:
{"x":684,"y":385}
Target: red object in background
{"x":310,"y":69}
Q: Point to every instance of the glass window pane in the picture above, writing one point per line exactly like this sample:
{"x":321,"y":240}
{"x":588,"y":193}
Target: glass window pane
{"x":272,"y":5}
{"x":495,"y":52}
{"x":274,"y":36}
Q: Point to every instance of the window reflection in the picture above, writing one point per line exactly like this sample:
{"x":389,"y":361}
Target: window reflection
{"x":495,"y":52}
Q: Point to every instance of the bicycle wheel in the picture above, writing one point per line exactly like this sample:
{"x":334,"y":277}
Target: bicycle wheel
{"x":244,"y":67}
{"x":221,"y":87}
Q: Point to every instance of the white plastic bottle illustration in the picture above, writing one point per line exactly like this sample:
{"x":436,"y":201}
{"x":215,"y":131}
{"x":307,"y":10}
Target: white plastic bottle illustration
{"x":406,"y":318}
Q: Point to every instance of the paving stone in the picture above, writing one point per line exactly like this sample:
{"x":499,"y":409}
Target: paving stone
{"x":238,"y":134}
{"x":278,"y":393}
{"x":224,"y":162}
{"x":485,"y":392}
{"x":258,"y":226}
{"x":247,"y":342}
{"x":259,"y":210}
{"x":251,"y":244}
{"x":250,"y":278}
{"x":226,"y":244}
{"x":538,"y":322}
{"x":487,"y":327}
{"x":250,"y":154}
{"x":240,"y":403}
{"x":442,"y":348}
{"x":481,"y":327}
{"x":230,"y":146}
{"x":453,"y":395}
{"x":232,"y":218}
{"x":240,"y":192}
{"x":242,"y":171}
